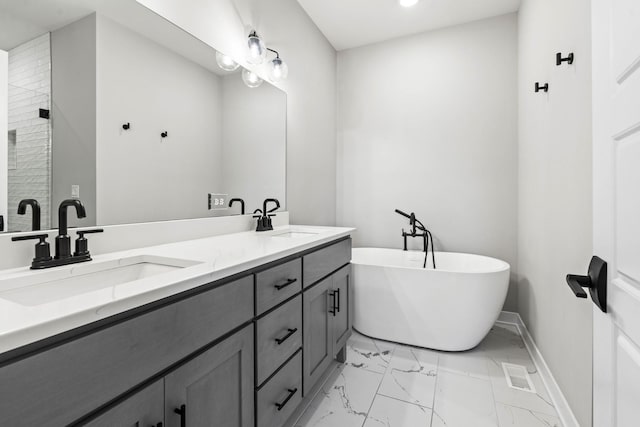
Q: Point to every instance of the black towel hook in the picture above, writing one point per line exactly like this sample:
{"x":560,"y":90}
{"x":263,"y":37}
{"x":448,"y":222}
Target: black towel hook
{"x":164,"y":134}
{"x":126,"y":126}
{"x":539,"y":87}
{"x":560,"y":59}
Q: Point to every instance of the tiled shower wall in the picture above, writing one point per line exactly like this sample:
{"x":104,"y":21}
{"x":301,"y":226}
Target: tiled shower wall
{"x":29,"y":135}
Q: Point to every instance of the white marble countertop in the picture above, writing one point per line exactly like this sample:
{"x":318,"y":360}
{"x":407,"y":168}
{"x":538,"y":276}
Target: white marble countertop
{"x":28,"y":317}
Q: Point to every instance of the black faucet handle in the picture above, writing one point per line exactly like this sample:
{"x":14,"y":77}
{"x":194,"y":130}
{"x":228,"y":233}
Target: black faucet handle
{"x":42,"y":237}
{"x":81,"y":233}
{"x":82,"y":244}
{"x":43,"y":252}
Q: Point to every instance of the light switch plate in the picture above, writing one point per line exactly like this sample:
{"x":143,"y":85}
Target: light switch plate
{"x":218,"y":201}
{"x":75,"y":191}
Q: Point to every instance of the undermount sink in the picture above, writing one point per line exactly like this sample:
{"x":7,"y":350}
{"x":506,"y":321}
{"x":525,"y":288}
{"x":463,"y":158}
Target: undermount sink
{"x":61,"y":283}
{"x":294,"y":234}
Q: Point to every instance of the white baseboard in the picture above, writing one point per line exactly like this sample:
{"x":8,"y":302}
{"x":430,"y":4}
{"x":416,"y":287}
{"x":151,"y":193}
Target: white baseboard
{"x":559,"y":401}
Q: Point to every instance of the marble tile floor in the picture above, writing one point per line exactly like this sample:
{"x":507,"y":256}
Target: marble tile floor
{"x":390,"y":385}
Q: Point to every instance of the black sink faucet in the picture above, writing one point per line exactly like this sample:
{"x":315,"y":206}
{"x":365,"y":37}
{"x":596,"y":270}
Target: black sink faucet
{"x":35,"y":212}
{"x":63,"y":241}
{"x":63,"y":255}
{"x":264,"y":220}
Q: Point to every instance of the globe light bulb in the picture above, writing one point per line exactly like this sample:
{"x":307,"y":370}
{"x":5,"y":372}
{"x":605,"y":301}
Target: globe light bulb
{"x":251,"y":79}
{"x":278,"y":70}
{"x":225,"y":62}
{"x":257,"y":50}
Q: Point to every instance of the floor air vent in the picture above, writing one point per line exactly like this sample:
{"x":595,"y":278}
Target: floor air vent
{"x":518,"y":377}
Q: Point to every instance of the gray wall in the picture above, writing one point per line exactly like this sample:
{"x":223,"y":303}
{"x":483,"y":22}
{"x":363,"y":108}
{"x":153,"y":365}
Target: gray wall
{"x":310,"y":88}
{"x":140,"y":176}
{"x":73,"y":81}
{"x":555,"y":213}
{"x":427,"y":123}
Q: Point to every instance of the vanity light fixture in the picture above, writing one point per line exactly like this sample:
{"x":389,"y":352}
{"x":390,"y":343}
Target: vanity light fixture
{"x":225,"y":62}
{"x":251,"y":79}
{"x":408,"y":3}
{"x":257,"y":49}
{"x":278,"y":69}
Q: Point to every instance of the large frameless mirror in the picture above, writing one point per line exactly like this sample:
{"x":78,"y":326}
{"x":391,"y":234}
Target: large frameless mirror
{"x":110,"y":103}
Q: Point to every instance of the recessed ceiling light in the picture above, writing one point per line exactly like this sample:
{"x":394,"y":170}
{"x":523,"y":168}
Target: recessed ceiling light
{"x":408,"y":3}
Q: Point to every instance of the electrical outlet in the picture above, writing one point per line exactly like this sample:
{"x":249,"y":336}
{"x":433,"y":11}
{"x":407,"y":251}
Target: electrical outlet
{"x":218,"y":201}
{"x":75,"y":191}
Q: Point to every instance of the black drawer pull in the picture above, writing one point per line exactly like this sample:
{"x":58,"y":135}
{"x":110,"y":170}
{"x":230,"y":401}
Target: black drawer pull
{"x":284,"y":402}
{"x":337,"y":293}
{"x":182,"y":411}
{"x":333,"y":303}
{"x":285,"y":284}
{"x":286,"y":337}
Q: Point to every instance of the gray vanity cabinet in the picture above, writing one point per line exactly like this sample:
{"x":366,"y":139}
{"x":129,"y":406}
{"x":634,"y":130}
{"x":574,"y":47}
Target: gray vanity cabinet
{"x":238,"y":353}
{"x":327,"y":323}
{"x":215,"y":388}
{"x":144,"y":409}
{"x":317,"y":345}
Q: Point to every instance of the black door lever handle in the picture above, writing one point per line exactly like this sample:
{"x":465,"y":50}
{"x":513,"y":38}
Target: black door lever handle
{"x":576,"y":283}
{"x":595,"y":281}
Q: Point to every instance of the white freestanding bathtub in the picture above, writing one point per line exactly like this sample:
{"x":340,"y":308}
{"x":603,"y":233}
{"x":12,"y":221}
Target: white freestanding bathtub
{"x":451,"y":308}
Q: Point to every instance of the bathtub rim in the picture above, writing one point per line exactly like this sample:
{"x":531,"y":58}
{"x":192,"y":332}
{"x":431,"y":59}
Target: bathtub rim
{"x":505,"y":266}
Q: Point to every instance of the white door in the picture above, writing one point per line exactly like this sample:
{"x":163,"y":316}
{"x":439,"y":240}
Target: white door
{"x":616,"y":215}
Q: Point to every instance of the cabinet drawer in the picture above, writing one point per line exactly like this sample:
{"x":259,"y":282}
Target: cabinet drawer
{"x":277,"y":284}
{"x":278,"y":399}
{"x":278,"y":336}
{"x":62,"y":384}
{"x":325,"y":261}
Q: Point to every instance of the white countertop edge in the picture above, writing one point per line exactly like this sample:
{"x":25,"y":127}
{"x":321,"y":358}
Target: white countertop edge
{"x":192,"y":277}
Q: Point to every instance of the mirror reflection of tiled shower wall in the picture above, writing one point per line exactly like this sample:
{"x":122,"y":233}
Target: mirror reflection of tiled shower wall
{"x":29,"y":142}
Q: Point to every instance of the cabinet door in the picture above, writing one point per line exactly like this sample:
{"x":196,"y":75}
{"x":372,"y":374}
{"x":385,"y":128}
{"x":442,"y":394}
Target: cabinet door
{"x":215,"y":388}
{"x":317,"y":332}
{"x":341,"y":318}
{"x":143,"y":409}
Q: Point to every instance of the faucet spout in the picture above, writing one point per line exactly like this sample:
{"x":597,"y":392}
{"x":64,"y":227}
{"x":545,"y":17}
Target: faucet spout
{"x":264,"y":205}
{"x":62,"y":214}
{"x":35,"y":212}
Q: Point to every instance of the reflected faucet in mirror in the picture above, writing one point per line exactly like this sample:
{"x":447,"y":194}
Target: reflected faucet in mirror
{"x":35,"y":212}
{"x":232,"y":201}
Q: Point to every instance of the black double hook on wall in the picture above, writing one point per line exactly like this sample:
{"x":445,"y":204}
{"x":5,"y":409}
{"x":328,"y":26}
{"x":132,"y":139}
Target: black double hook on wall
{"x":539,"y":87}
{"x":560,"y":59}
